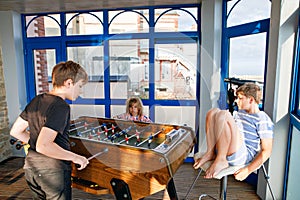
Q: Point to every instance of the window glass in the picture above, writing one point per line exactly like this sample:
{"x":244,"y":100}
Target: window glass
{"x":247,"y":56}
{"x":129,"y":68}
{"x":90,"y":58}
{"x":129,"y":21}
{"x":180,"y":115}
{"x":78,"y":110}
{"x":84,"y":24}
{"x":43,"y":26}
{"x":44,"y":61}
{"x":175,"y":71}
{"x":175,"y":20}
{"x":247,"y":11}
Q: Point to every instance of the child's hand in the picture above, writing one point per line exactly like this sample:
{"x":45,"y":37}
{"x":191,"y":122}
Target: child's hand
{"x":241,"y":174}
{"x":80,"y":162}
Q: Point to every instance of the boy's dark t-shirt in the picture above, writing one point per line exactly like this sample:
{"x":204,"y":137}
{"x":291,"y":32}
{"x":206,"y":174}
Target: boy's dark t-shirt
{"x":50,"y":111}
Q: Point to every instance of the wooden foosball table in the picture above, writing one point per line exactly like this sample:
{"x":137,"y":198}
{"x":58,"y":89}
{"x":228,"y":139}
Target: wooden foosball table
{"x":129,"y":159}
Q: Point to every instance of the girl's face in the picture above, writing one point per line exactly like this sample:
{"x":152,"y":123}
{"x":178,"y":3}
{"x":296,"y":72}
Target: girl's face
{"x":133,"y":109}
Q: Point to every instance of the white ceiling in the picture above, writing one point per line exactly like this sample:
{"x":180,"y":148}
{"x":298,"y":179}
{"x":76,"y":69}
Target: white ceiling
{"x":41,"y":6}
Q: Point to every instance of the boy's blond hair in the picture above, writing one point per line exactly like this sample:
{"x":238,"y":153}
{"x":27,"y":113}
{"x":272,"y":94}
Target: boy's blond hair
{"x":68,"y":70}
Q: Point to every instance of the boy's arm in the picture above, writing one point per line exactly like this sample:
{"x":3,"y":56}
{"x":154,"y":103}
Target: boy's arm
{"x":261,"y":157}
{"x":19,"y":130}
{"x":46,"y":145}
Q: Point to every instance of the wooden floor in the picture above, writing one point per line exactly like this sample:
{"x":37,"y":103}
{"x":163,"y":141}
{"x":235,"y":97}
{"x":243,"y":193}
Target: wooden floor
{"x":13,"y":185}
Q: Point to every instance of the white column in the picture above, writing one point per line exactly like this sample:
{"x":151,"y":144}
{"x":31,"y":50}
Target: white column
{"x":13,"y":62}
{"x":211,"y":30}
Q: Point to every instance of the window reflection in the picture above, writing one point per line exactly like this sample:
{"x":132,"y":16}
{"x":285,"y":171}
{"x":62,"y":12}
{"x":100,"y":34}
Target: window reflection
{"x":129,"y":68}
{"x":166,"y":115}
{"x":175,"y":71}
{"x":91,"y":58}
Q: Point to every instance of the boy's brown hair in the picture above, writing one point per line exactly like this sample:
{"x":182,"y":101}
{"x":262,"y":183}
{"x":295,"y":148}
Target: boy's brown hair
{"x":250,"y":90}
{"x":133,"y":100}
{"x":68,"y":70}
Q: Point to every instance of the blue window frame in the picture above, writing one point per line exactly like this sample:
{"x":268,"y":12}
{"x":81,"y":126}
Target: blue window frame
{"x":94,"y":46}
{"x":292,"y":145}
{"x":237,"y":66}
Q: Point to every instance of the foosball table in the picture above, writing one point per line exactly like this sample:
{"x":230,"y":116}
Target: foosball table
{"x":129,"y":159}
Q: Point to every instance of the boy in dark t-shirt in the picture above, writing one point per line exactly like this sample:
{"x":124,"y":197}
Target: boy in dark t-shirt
{"x":43,"y":124}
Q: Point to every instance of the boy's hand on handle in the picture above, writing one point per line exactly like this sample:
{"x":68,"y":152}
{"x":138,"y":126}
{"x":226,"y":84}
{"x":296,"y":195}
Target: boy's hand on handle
{"x":80,"y":162}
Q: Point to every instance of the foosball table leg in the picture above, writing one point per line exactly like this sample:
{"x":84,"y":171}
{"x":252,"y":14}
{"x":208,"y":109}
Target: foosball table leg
{"x":120,"y":189}
{"x":172,"y":190}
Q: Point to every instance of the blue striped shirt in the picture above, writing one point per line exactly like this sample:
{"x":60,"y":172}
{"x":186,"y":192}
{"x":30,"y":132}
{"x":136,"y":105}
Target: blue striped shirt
{"x":254,"y":127}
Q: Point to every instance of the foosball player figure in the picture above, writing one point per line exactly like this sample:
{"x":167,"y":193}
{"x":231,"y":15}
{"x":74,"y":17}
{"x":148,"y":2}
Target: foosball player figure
{"x":92,"y":133}
{"x":113,"y":129}
{"x":105,"y":129}
{"x":137,"y":135}
{"x":113,"y":135}
{"x":85,"y":125}
{"x":150,"y":140}
{"x":78,"y":134}
{"x":98,"y":132}
{"x":126,"y":139}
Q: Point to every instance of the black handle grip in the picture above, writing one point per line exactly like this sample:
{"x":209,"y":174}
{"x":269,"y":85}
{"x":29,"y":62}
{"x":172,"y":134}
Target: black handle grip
{"x":77,"y":165}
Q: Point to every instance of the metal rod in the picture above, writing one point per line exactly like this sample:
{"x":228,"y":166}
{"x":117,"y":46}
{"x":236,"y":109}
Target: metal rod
{"x":193,"y":184}
{"x":158,"y":132}
{"x":267,"y":179}
{"x":99,"y":153}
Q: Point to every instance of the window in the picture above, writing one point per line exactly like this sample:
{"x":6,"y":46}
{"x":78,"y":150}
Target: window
{"x":135,"y":21}
{"x":90,"y":58}
{"x":43,"y":26}
{"x":150,"y":52}
{"x":84,"y":24}
{"x":175,"y":20}
{"x":245,"y":11}
{"x":245,"y":42}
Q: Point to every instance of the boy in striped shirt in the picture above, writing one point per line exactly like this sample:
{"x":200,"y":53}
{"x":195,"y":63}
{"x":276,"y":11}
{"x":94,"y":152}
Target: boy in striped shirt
{"x":244,"y":138}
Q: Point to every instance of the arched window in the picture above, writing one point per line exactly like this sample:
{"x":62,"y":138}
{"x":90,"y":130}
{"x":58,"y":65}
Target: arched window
{"x":176,"y":20}
{"x":84,"y":24}
{"x":43,"y":26}
{"x":135,"y":21}
{"x":245,"y":40}
{"x":245,"y":11}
